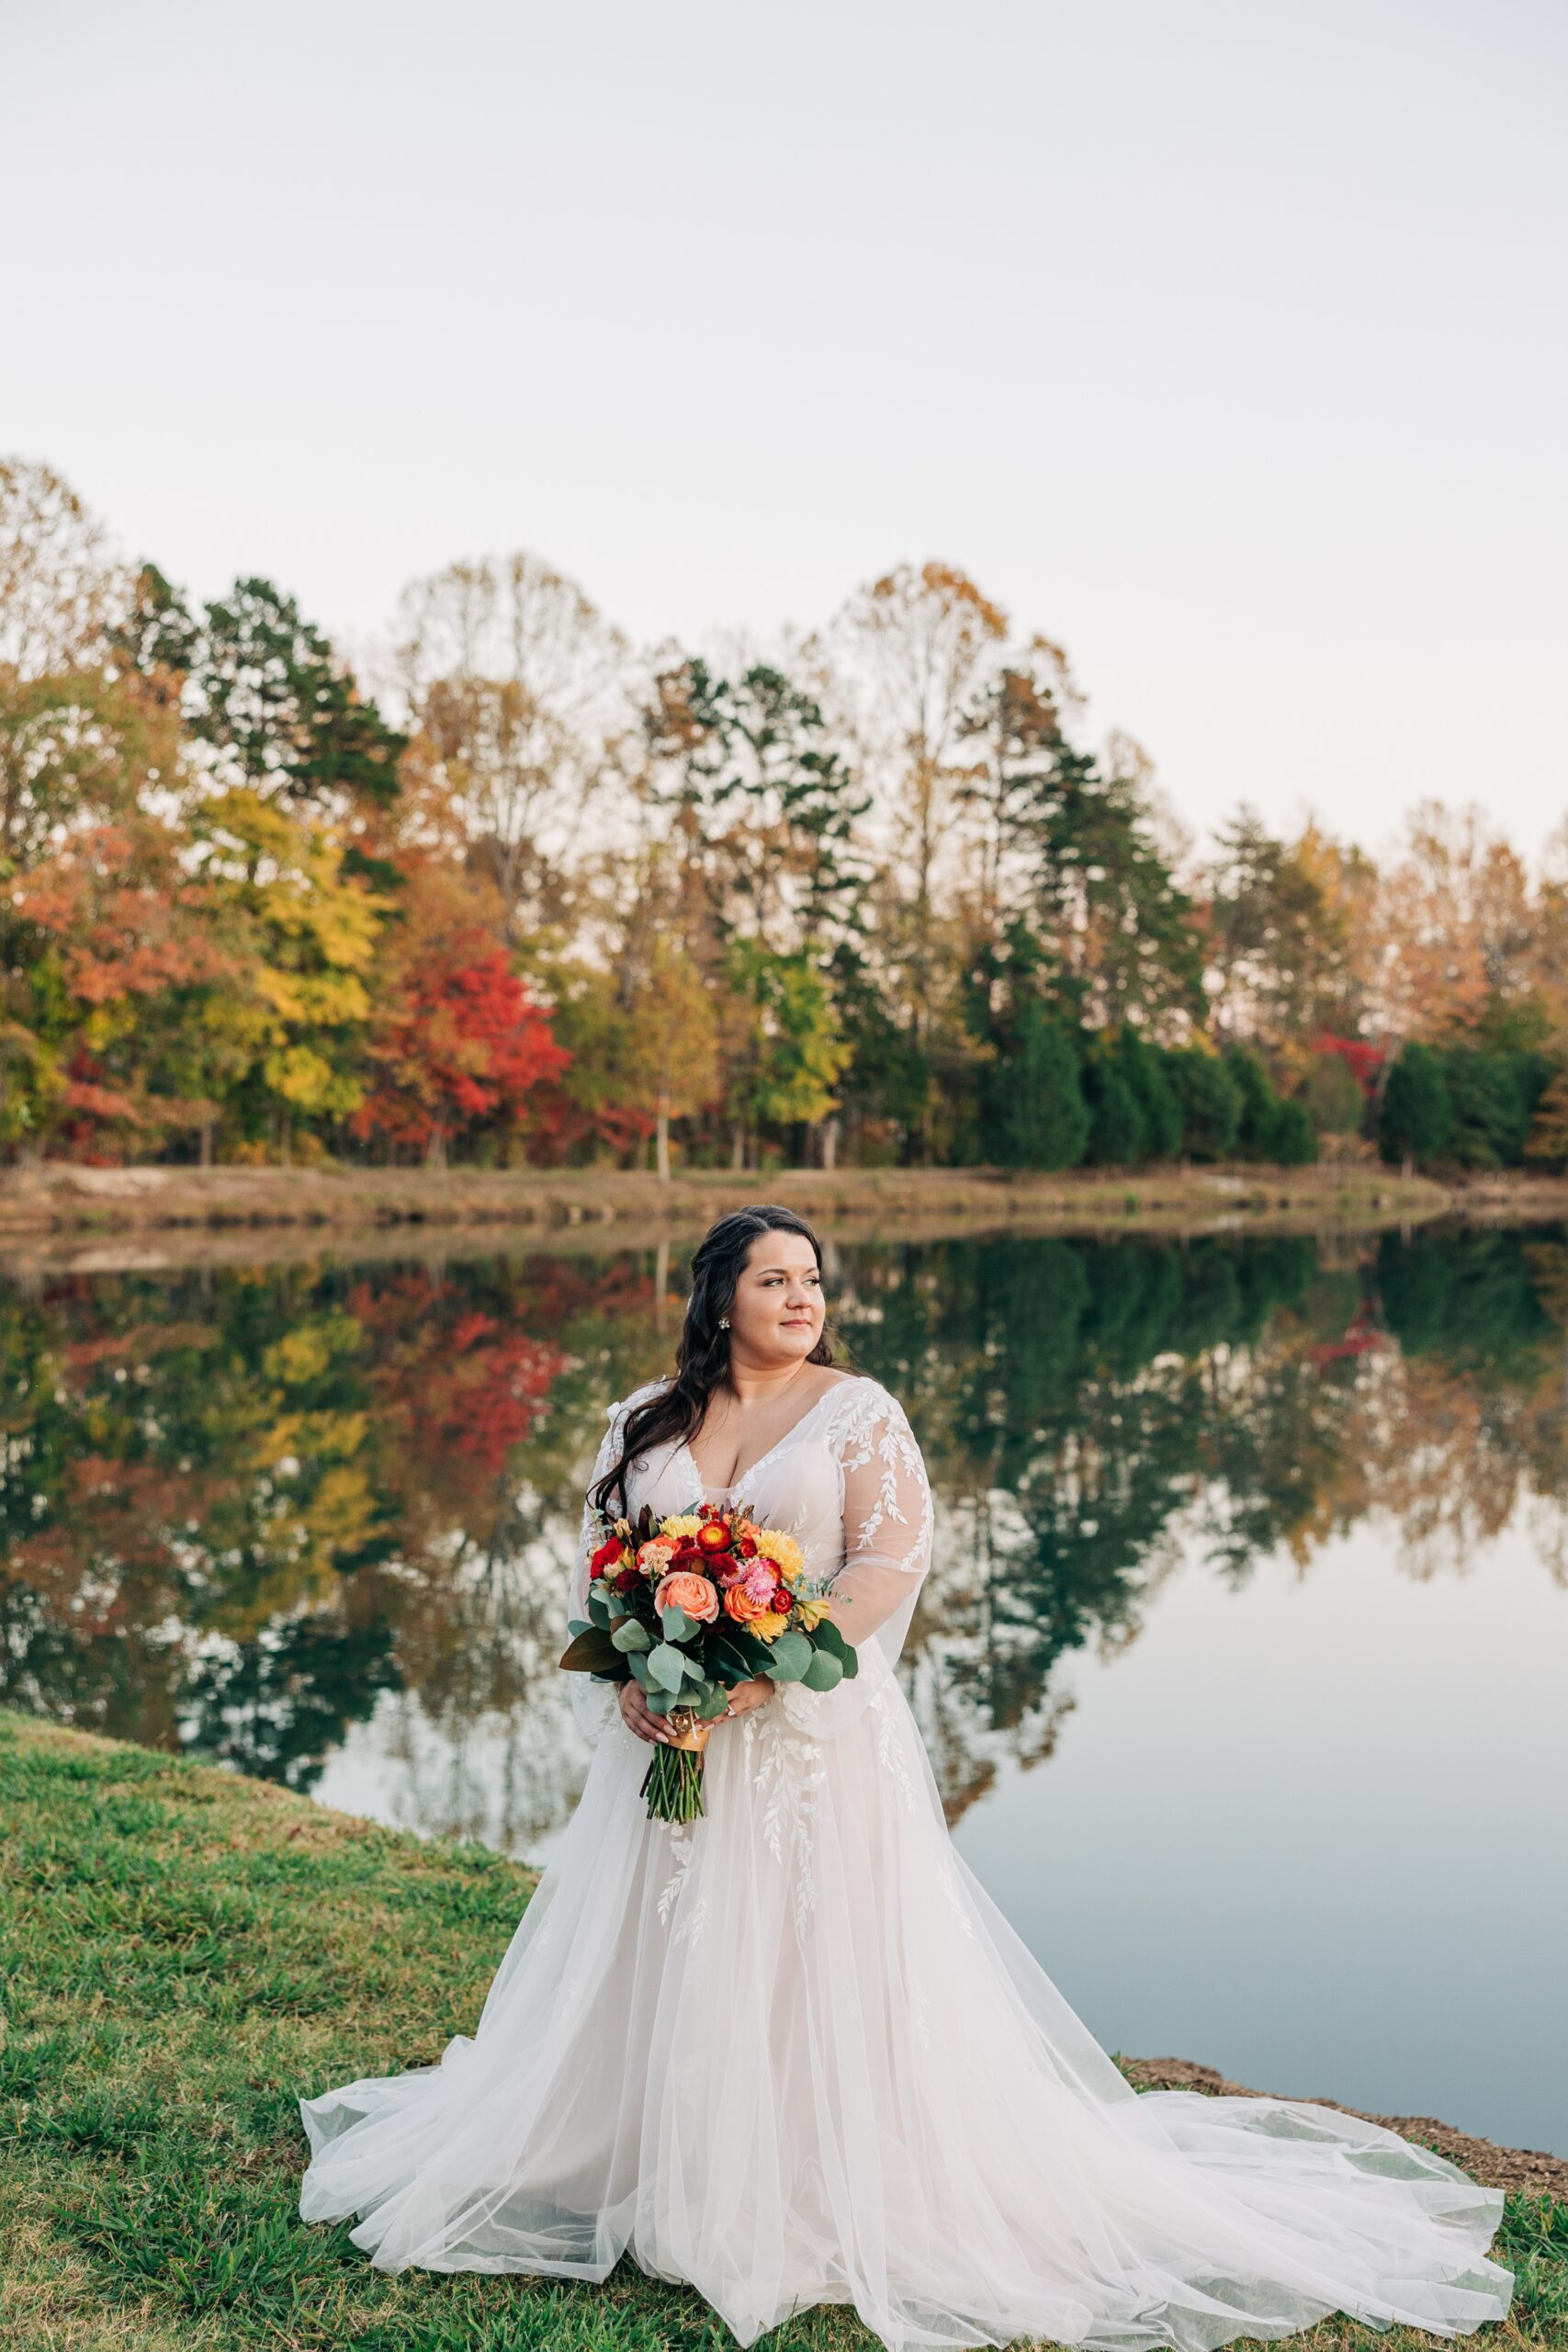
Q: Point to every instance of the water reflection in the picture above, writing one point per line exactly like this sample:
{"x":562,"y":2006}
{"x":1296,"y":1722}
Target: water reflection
{"x":293,"y":1516}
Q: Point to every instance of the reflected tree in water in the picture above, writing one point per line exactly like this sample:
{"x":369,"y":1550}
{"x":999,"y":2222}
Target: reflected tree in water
{"x":245,"y":1513}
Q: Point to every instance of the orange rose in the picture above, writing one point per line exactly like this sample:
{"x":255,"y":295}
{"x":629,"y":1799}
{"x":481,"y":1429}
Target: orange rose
{"x":740,"y":1604}
{"x":680,"y":1589}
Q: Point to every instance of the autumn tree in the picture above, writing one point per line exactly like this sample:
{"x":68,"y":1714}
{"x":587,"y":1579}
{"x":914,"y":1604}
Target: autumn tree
{"x":673,"y":1043}
{"x":517,"y":681}
{"x":919,"y":645}
{"x":130,"y":983}
{"x":1274,"y":936}
{"x":309,"y":931}
{"x":456,"y":1044}
{"x":1451,"y":930}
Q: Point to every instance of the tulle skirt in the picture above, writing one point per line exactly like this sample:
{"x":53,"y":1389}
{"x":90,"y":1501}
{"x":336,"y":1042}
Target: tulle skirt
{"x":791,"y":2054}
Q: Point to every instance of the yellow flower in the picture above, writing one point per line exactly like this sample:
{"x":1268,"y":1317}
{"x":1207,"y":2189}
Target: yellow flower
{"x":769,"y":1625}
{"x":810,"y":1608}
{"x":774,"y":1546}
{"x":686,"y":1523}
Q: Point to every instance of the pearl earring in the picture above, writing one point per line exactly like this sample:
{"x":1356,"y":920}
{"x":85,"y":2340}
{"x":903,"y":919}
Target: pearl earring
{"x":724,"y":1322}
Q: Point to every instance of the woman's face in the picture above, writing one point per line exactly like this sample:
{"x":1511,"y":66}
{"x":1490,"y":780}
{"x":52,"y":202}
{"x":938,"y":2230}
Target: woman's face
{"x":778,"y":1310}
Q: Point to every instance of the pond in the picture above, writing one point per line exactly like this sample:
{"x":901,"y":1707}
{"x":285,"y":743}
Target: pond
{"x":1241,"y":1664}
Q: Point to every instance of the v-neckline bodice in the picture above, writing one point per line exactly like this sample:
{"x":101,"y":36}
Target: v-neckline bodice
{"x":736,"y":1485}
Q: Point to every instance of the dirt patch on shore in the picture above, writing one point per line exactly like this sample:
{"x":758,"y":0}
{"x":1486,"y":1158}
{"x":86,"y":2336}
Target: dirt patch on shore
{"x":1530,"y":2169}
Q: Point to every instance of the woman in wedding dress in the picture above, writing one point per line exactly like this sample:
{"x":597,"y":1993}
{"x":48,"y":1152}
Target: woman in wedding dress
{"x":791,"y":2052}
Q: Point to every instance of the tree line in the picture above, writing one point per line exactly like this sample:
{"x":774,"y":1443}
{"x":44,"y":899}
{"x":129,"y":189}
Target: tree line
{"x":516,"y":891}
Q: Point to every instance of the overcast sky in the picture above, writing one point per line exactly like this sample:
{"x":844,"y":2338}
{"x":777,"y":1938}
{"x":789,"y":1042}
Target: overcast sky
{"x":1222,"y":340}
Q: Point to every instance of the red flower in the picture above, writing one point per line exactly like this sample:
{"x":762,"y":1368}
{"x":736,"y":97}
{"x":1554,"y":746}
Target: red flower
{"x":605,"y":1554}
{"x":747,"y":1548}
{"x":628,"y":1579}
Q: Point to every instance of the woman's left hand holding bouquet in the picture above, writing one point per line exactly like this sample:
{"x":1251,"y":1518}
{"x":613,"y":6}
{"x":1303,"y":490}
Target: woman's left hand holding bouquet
{"x":746,"y":1695}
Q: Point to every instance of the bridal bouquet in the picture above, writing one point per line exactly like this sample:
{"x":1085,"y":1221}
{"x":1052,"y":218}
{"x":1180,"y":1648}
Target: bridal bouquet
{"x":688,"y":1607}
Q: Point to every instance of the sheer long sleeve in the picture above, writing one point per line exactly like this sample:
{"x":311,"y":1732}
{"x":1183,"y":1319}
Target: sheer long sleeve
{"x":593,"y":1702}
{"x":887,"y":1523}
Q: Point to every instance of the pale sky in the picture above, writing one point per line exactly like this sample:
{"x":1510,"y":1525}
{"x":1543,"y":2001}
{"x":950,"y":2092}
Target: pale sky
{"x":1225,"y":341}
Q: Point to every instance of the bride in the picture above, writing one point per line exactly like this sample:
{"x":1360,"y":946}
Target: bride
{"x":791,"y":2052}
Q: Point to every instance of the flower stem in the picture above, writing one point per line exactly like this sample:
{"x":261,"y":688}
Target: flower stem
{"x":673,"y":1784}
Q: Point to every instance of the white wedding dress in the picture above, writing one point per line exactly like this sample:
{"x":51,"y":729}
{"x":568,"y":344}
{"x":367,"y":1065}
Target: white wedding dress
{"x":793,"y":2053}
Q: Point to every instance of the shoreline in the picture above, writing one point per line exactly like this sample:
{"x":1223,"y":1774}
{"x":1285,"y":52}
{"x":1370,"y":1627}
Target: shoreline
{"x":55,"y":1211}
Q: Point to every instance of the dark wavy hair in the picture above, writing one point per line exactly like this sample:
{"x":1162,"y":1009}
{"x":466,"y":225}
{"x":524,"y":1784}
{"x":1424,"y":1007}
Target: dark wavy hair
{"x":702,"y":1356}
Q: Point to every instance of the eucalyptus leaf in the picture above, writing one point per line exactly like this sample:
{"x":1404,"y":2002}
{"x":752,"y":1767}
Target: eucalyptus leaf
{"x":828,"y":1637}
{"x":823,"y":1673}
{"x":575,"y":1625}
{"x":712,"y":1703}
{"x":788,"y":1658}
{"x":666,"y":1666}
{"x":637,"y":1661}
{"x":599,"y":1609}
{"x":678,"y":1626}
{"x":631,"y":1634}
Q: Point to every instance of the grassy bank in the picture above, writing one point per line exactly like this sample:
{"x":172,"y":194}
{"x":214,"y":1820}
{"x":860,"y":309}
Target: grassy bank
{"x":184,"y":1954}
{"x":57,"y":1198}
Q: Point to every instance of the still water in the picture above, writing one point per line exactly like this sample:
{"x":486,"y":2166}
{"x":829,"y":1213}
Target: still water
{"x":1242,"y":1664}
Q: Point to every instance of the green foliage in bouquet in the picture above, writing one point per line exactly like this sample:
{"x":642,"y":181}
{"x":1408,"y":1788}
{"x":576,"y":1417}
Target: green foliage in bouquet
{"x":690,"y":1606}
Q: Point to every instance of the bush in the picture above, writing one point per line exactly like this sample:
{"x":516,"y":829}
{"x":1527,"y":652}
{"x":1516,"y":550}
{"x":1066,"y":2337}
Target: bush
{"x":1294,"y":1137}
{"x":1547,"y":1143}
{"x":1332,"y":1096}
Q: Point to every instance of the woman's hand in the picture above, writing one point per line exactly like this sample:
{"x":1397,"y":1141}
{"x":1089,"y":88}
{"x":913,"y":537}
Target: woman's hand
{"x":636,"y":1716}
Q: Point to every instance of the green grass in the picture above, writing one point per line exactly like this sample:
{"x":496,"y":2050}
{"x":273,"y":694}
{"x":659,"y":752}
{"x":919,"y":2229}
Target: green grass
{"x":184,"y":1953}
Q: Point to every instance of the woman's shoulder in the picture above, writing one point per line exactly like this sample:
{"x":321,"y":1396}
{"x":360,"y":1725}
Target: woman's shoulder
{"x":623,"y":1405}
{"x":858,"y":1403}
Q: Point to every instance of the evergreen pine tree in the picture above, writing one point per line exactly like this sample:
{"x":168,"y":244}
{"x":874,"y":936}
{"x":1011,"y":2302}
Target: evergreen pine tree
{"x":1211,"y":1103}
{"x":1255,"y":1134}
{"x":1038,"y":1117}
{"x":1117,"y":1131}
{"x":270,"y":697}
{"x":1143,"y":1067}
{"x":1293,"y":1142}
{"x":1417,"y":1116}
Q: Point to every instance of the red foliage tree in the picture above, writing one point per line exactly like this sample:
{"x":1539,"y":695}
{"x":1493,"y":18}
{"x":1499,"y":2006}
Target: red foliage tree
{"x":1362,"y":1060}
{"x":462,"y":1045}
